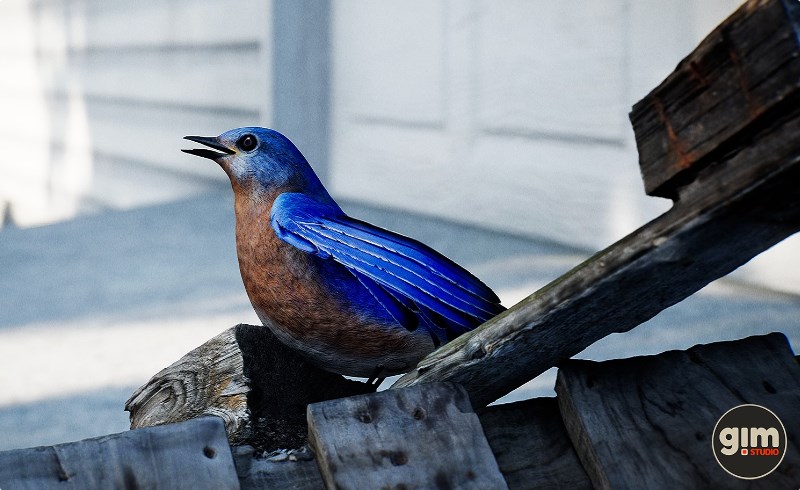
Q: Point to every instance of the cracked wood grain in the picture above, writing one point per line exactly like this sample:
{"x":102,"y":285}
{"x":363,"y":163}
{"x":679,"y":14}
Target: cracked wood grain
{"x":647,"y":422}
{"x":190,"y":455}
{"x":531,"y":445}
{"x":421,"y":437}
{"x":743,"y":72}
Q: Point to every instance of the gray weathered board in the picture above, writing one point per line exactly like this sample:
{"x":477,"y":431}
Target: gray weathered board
{"x":423,"y":437}
{"x":726,"y":212}
{"x":528,"y":440}
{"x":191,"y":455}
{"x":647,"y":422}
{"x":742,"y":71}
{"x":531,"y":446}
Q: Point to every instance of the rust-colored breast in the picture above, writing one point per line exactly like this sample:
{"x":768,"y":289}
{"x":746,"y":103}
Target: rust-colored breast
{"x":289,"y":294}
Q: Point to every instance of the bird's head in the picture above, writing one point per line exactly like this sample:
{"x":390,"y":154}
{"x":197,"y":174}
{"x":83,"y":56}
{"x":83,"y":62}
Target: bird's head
{"x":259,"y":156}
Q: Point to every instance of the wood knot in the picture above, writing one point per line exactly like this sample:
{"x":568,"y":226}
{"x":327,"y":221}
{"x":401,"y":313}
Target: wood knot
{"x":398,"y":458}
{"x":479,"y":353}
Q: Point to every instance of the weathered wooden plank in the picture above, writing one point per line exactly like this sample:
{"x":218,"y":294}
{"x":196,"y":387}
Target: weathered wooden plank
{"x":422,"y":437}
{"x":531,"y":445}
{"x":258,"y":471}
{"x":750,"y":198}
{"x":660,"y":412}
{"x":742,"y":72}
{"x":244,"y":375}
{"x":191,"y":455}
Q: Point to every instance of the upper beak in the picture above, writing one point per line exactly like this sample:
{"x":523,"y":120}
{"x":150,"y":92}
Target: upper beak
{"x":210,"y":142}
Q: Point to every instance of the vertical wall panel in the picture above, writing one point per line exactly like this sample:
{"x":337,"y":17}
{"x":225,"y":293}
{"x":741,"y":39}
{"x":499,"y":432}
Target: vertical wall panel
{"x":553,"y":69}
{"x":389,"y":61}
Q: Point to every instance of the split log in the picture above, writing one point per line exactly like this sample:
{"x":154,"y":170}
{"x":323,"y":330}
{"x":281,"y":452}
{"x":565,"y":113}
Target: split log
{"x":647,"y":422}
{"x":244,"y":375}
{"x":192,"y":455}
{"x":743,"y":201}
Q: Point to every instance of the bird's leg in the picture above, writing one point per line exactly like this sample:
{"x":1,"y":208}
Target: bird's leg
{"x":376,"y":378}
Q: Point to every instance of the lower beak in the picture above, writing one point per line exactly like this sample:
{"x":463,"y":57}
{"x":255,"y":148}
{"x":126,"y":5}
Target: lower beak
{"x":214,"y":143}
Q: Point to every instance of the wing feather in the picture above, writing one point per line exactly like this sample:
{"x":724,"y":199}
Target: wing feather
{"x":396,"y":270}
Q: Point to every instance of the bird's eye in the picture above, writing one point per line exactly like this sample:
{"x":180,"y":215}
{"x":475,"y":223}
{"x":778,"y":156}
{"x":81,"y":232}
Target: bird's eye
{"x":247,"y":142}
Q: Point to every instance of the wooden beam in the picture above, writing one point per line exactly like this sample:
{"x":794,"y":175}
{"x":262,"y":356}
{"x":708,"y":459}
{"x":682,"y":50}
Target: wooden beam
{"x":647,"y":422}
{"x":733,"y":211}
{"x":244,"y":375}
{"x":422,"y":437}
{"x":531,"y":445}
{"x":740,"y":74}
{"x":192,"y":455}
{"x":735,"y":208}
{"x":527,"y":438}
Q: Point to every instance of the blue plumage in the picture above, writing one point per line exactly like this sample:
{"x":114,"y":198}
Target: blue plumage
{"x":402,"y":267}
{"x":392,"y":283}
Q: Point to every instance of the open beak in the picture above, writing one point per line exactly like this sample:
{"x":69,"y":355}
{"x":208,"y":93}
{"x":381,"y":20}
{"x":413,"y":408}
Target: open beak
{"x":222,"y":150}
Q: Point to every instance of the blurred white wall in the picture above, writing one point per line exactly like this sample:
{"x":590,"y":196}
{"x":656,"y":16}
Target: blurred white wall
{"x":95,"y":96}
{"x":507,"y":115}
{"x":511,"y":115}
{"x":44,"y":163}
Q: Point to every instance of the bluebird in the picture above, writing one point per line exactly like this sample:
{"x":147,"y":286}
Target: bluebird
{"x":351,"y":297}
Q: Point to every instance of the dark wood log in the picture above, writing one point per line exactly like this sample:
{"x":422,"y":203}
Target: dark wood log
{"x":422,"y":437}
{"x":532,"y":447}
{"x":745,"y":73}
{"x":192,"y":455}
{"x":258,"y":386}
{"x":647,"y":422}
{"x":732,"y":211}
{"x":284,"y":471}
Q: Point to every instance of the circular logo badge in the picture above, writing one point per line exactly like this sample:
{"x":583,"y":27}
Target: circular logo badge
{"x":749,"y":441}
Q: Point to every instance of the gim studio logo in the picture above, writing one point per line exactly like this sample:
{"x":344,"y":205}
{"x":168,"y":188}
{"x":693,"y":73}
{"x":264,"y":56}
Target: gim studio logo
{"x":749,"y":441}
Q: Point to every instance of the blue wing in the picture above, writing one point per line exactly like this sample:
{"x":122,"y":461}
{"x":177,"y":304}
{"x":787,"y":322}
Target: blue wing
{"x":413,"y":282}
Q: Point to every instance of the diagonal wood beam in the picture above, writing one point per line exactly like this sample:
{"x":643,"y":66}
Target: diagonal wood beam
{"x":735,"y":198}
